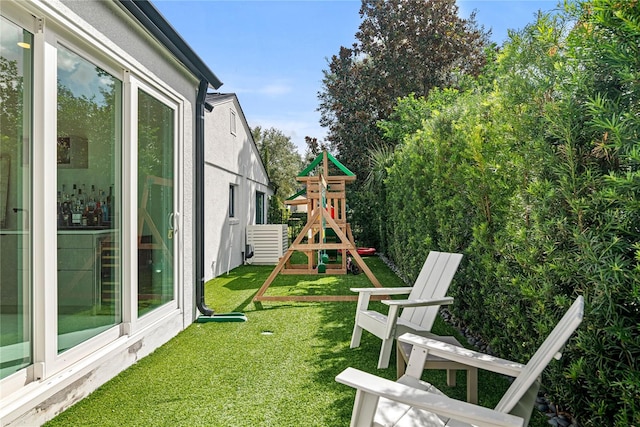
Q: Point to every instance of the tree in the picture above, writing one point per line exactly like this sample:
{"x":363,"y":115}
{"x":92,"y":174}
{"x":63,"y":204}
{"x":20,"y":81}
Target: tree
{"x":346,"y":109}
{"x":402,"y":47}
{"x":314,"y":148}
{"x":417,"y":45}
{"x":282,"y":162}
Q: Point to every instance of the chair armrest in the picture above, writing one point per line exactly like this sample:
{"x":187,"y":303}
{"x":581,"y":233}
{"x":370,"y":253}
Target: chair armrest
{"x":419,"y":302}
{"x":383,"y":291}
{"x":464,"y":355}
{"x":431,"y":402}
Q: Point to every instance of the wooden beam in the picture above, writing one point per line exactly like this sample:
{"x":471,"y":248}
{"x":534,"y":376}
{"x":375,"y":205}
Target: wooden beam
{"x":296,"y":202}
{"x":308,"y":298}
{"x":319,"y":246}
{"x":318,"y":298}
{"x":325,"y":163}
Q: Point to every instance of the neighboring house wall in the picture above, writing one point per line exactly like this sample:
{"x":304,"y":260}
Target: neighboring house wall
{"x":137,"y":287}
{"x":231,"y":159}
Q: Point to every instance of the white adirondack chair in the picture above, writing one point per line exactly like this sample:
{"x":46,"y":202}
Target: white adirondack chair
{"x":411,"y":402}
{"x":419,"y":311}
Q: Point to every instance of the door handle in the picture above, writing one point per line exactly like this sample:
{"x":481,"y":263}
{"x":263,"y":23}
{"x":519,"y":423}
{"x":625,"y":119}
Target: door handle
{"x":173,"y":221}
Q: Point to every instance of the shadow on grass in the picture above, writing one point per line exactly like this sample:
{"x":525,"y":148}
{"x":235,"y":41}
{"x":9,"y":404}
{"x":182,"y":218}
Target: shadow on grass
{"x":338,"y":322}
{"x":236,"y":289}
{"x":331,"y":353}
{"x":331,"y":339}
{"x":278,"y":368}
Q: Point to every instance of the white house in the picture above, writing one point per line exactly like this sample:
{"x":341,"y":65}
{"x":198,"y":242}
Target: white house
{"x":231,"y":158}
{"x":102,"y":205}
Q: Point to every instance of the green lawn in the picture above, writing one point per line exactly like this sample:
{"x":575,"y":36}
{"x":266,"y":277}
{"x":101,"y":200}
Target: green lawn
{"x":276,"y":369}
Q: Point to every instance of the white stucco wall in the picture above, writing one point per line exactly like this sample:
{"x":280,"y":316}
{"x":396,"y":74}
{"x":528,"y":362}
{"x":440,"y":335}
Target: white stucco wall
{"x":229,"y":159}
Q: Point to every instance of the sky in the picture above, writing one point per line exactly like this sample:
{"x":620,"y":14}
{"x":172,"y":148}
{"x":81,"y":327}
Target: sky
{"x":272,"y":54}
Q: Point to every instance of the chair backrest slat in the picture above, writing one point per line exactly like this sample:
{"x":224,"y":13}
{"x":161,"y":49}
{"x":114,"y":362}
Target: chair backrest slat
{"x":554,"y":342}
{"x":432,"y":282}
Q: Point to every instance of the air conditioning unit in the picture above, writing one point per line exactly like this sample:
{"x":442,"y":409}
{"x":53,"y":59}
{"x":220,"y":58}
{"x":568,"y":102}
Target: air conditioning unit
{"x":269,"y":242}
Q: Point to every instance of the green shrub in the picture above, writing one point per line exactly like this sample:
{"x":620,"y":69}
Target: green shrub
{"x":534,"y":174}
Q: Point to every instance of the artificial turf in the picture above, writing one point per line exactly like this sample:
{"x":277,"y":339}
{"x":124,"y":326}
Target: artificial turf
{"x":276,"y":369}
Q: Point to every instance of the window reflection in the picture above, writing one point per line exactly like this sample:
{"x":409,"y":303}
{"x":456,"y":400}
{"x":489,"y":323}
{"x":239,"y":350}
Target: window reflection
{"x":15,"y":197}
{"x":155,"y":203}
{"x":88,"y":210}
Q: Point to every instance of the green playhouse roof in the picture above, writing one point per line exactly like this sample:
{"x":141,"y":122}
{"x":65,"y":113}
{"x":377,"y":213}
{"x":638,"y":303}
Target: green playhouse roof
{"x":317,"y":161}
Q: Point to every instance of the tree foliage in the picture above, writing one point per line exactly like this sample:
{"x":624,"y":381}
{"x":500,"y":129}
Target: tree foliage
{"x":533,"y":173}
{"x":282,"y":162}
{"x":402,"y":47}
{"x":314,"y":148}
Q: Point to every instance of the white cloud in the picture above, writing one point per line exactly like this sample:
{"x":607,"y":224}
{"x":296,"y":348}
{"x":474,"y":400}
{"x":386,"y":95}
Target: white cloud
{"x":257,"y":86}
{"x":276,"y":89}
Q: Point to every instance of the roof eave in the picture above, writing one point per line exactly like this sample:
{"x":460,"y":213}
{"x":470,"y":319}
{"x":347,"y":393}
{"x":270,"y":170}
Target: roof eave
{"x":159,"y":27}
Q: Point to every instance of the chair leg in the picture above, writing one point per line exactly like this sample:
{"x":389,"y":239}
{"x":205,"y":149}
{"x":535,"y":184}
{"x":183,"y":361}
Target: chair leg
{"x":401,"y":364}
{"x":385,"y":353}
{"x":451,"y":377}
{"x":356,"y":336}
{"x":472,"y":386}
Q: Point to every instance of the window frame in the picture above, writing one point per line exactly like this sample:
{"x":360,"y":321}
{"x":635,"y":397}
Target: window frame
{"x":233,"y":122}
{"x":232,"y":201}
{"x":260,"y":208}
{"x":54,"y":361}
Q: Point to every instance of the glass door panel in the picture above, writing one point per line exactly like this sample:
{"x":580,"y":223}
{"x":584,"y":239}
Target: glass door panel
{"x":155,"y":203}
{"x":15,"y":197}
{"x":88,"y":209}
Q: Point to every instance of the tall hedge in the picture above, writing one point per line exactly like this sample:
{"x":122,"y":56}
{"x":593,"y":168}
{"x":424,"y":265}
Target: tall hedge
{"x":533,"y":172}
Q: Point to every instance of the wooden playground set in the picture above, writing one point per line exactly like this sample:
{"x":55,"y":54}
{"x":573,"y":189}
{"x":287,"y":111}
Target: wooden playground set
{"x":326,"y":234}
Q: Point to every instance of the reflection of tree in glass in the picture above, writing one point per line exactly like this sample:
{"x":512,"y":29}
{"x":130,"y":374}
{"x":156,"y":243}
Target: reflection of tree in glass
{"x":10,"y":104}
{"x":155,"y":160}
{"x":95,"y":118}
{"x":108,"y":114}
{"x":148,"y":150}
{"x":155,"y":137}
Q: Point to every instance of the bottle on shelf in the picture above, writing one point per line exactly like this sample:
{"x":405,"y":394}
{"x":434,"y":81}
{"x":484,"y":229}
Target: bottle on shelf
{"x":97,"y":214}
{"x":105,"y":207}
{"x":67,"y":218}
{"x":59,"y":209}
{"x":87,"y":216}
{"x":77,"y":206}
{"x":91,"y":198}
